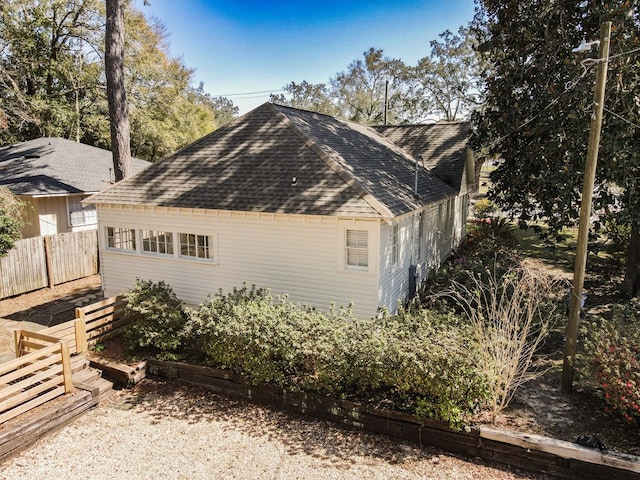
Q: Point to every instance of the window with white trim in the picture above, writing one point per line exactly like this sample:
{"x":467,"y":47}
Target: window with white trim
{"x":154,"y":241}
{"x":121,"y":238}
{"x":195,"y":246}
{"x":357,"y":249}
{"x":395,"y":246}
{"x":80,"y":214}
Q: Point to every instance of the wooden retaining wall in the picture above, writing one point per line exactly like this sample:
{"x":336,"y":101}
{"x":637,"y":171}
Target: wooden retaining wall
{"x":530,"y":452}
{"x":39,"y":262}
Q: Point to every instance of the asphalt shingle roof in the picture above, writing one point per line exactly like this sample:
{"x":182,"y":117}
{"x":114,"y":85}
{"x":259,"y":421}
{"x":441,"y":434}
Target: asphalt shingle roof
{"x":443,"y":146}
{"x":341,"y":168}
{"x":54,"y":166}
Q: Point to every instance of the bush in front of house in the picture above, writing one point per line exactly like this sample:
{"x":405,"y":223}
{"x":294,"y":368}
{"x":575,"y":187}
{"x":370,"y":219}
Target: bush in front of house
{"x":613,"y":347}
{"x":419,"y":362}
{"x":158,"y":318}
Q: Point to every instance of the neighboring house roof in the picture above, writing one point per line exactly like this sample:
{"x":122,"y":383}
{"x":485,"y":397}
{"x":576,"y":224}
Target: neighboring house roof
{"x":56,"y":166}
{"x":341,"y":168}
{"x":443,"y":146}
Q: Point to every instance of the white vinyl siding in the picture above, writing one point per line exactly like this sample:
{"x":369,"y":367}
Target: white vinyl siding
{"x":357,"y":249}
{"x":302,"y":256}
{"x":395,"y":245}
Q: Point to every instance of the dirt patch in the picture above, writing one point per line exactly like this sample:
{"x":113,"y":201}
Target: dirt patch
{"x":42,"y":308}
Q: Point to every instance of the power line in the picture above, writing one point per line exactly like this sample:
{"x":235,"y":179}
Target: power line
{"x":621,"y":118}
{"x":248,"y":93}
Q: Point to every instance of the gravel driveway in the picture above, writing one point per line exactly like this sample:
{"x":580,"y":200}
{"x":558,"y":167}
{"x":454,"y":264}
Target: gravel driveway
{"x":164,"y":430}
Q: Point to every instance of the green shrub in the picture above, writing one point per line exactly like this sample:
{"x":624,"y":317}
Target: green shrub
{"x":10,"y":220}
{"x":484,"y":208}
{"x":614,"y":349}
{"x":420,"y":362}
{"x":159,"y":317}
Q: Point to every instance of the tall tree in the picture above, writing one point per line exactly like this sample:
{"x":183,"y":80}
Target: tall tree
{"x":446,"y":83}
{"x":116,"y":92}
{"x":359,"y":91}
{"x":49,"y":67}
{"x":538,"y":106}
{"x":306,"y":96}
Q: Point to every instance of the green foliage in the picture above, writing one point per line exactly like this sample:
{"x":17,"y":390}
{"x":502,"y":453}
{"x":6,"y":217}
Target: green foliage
{"x":415,"y":361}
{"x":10,"y":220}
{"x":159,"y":318}
{"x":539,"y":103}
{"x":484,"y":208}
{"x":614,"y":351}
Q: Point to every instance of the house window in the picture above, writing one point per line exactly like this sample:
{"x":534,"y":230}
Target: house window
{"x":157,"y":242}
{"x":80,"y":214}
{"x":357,"y":249}
{"x":395,"y":246}
{"x":197,"y":246}
{"x":121,"y":238}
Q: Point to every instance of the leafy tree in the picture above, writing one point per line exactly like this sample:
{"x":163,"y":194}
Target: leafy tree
{"x":537,"y":110}
{"x":10,"y":220}
{"x":446,"y":84}
{"x":359,"y":92}
{"x":49,"y":67}
{"x":307,"y":96}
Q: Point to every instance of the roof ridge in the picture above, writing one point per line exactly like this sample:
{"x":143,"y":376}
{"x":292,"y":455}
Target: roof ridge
{"x":338,"y":169}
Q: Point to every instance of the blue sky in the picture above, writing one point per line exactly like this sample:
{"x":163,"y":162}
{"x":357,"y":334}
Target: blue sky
{"x":241,"y":46}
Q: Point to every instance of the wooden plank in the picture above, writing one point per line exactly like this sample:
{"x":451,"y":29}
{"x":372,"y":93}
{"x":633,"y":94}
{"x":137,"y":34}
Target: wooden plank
{"x":563,"y":449}
{"x":27,"y":370}
{"x":39,"y":336}
{"x":66,"y":366}
{"x":107,"y":331}
{"x":29,"y":387}
{"x":60,"y":329}
{"x":23,"y":269}
{"x":34,"y":392}
{"x":31,"y":404}
{"x":29,"y":358}
{"x":97,"y":305}
{"x":80,"y":331}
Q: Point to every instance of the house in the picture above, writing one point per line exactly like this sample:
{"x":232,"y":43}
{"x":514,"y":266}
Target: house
{"x":322,"y":209}
{"x":52,"y":176}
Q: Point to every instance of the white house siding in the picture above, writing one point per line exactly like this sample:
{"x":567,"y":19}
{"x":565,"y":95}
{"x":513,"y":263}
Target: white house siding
{"x":444,"y":227}
{"x":302,"y":256}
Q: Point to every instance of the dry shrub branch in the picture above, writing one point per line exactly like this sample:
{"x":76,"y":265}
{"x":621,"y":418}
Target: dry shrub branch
{"x":511,"y":315}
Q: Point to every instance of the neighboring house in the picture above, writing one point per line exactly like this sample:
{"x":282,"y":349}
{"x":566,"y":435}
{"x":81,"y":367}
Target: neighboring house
{"x":52,"y":176}
{"x":322,"y":209}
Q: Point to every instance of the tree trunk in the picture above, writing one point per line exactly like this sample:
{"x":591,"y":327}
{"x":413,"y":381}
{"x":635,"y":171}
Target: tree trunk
{"x":632,"y":272}
{"x":116,"y":94}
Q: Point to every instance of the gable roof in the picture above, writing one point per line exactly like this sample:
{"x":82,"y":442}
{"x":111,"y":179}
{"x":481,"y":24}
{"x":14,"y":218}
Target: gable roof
{"x":443,"y":146}
{"x":340,"y":168}
{"x":57,"y":166}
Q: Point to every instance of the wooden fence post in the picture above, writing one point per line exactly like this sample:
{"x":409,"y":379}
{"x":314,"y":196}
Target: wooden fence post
{"x":49,"y":260}
{"x":81,"y":332}
{"x":17,"y":340}
{"x":66,"y":366}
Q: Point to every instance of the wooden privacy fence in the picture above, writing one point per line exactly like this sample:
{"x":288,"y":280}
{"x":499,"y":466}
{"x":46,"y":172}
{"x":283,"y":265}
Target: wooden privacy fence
{"x":36,"y":377}
{"x":41,"y":370}
{"x":39,"y":262}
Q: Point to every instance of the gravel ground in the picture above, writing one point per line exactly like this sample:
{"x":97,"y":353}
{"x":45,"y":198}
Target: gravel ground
{"x":164,"y":430}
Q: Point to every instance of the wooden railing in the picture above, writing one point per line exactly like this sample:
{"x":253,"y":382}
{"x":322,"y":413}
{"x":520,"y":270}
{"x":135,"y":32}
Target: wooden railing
{"x":40,"y":374}
{"x":93,"y":324}
{"x":42,"y":368}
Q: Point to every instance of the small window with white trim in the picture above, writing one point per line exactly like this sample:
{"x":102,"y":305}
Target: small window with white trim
{"x":357,"y":249}
{"x":154,"y":241}
{"x":80,"y":214}
{"x":121,"y":238}
{"x":196,"y":246}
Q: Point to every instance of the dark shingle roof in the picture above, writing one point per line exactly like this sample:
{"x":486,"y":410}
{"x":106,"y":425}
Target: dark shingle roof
{"x":54,"y":166}
{"x":341,"y":168}
{"x":443,"y":146}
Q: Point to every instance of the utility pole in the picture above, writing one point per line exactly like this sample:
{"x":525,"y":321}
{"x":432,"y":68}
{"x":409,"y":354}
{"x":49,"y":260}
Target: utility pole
{"x":585,"y":212}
